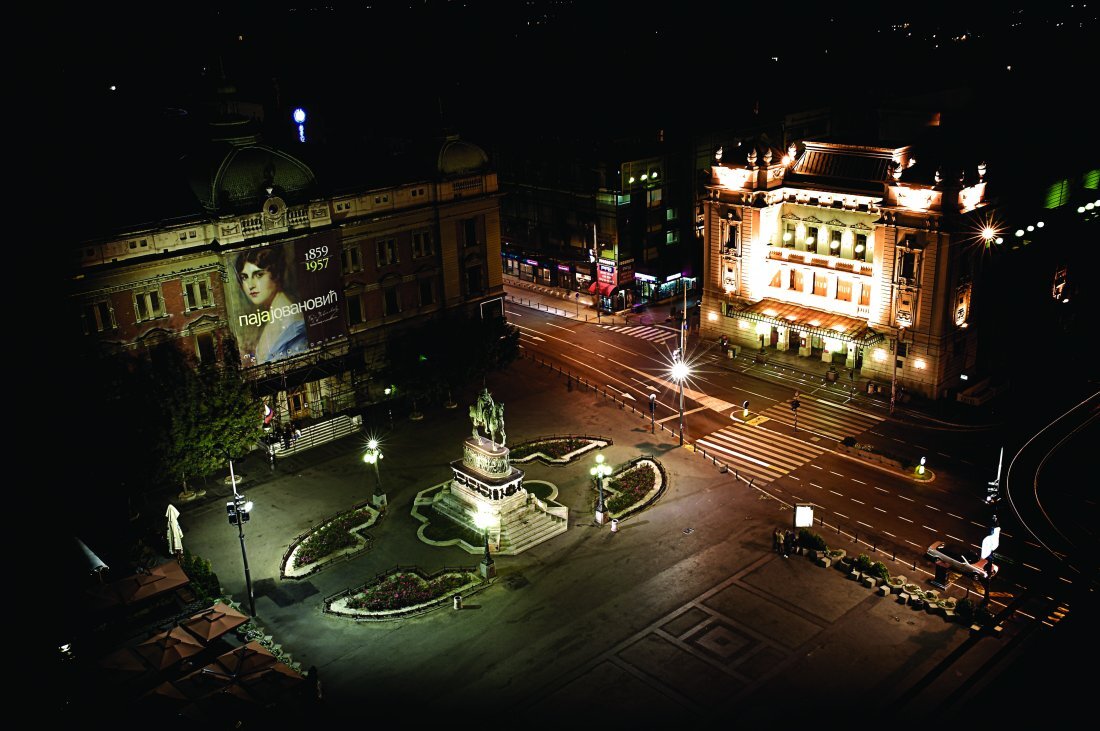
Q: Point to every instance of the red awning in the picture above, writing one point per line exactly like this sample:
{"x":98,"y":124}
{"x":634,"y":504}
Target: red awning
{"x":605,"y":289}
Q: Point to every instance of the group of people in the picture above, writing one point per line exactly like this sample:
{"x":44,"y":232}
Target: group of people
{"x":784,"y":541}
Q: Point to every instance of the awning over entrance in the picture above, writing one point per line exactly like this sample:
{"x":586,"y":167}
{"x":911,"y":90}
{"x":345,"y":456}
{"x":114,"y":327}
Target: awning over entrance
{"x":807,"y":319}
{"x":605,"y":288}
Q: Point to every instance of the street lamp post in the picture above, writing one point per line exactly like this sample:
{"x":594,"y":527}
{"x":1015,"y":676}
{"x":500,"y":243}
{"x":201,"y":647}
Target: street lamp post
{"x":487,"y":568}
{"x":679,"y":374}
{"x":239,"y":511}
{"x":599,"y":473}
{"x":373,"y":456}
{"x":894,"y":378}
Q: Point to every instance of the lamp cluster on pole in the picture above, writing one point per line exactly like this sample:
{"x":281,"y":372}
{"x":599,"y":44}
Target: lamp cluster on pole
{"x":373,"y":456}
{"x":599,"y":473}
{"x":239,"y":511}
{"x":483,"y":521}
{"x":680,"y":372}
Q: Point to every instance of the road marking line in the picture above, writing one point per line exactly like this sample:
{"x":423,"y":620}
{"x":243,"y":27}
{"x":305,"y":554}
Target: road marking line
{"x":954,"y":538}
{"x":881,"y":489}
{"x":956,"y":516}
{"x":927,"y":528}
{"x":907,"y":498}
{"x":859,"y":481}
{"x":906,"y":520}
{"x":881,"y":510}
{"x":857,"y":501}
{"x":889,"y":534}
{"x":836,"y":473}
{"x":836,"y":493}
{"x":842,"y":515}
{"x":932,"y":507}
{"x":866,"y":524}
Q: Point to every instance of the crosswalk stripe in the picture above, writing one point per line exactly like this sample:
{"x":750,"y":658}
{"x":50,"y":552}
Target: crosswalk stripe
{"x":757,"y":453}
{"x":653,"y":334}
{"x":816,"y":416}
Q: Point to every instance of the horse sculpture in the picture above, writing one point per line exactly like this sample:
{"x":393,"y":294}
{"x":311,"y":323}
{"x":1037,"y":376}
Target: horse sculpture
{"x":481,"y":413}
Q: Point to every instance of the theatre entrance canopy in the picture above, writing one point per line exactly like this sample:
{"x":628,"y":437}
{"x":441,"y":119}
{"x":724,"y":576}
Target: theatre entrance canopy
{"x":806,"y":319}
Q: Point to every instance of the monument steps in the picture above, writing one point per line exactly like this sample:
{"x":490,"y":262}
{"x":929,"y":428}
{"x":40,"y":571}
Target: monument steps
{"x":535,"y":527}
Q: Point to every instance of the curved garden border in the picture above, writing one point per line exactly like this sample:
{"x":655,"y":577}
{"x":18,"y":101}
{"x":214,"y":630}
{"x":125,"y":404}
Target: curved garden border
{"x":650,"y":497}
{"x":593,"y":443}
{"x":363,"y":542}
{"x":336,"y":604}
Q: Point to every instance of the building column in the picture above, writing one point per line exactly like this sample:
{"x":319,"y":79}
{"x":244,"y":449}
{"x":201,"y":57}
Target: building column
{"x":807,"y":349}
{"x":783,"y":342}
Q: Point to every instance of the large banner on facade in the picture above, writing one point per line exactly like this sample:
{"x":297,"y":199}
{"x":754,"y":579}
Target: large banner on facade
{"x":287,"y":297}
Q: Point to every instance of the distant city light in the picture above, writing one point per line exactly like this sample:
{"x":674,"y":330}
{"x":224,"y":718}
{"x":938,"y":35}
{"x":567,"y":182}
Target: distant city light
{"x":299,"y":115}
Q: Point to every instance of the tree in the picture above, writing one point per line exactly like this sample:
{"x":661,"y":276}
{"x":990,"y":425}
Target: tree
{"x":211,"y":416}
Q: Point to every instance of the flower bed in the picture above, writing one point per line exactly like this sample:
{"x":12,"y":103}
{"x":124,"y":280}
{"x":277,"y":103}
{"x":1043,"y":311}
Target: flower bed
{"x":557,"y":450}
{"x":403,"y":592}
{"x":332,"y":539}
{"x":635,"y":486}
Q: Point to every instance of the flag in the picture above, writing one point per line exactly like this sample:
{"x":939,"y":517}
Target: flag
{"x":268,"y":414}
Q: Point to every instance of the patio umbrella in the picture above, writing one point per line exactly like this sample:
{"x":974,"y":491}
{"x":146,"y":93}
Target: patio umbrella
{"x":121,"y":666}
{"x":165,"y":649}
{"x":157,"y":580}
{"x":212,"y":623}
{"x":175,"y":533}
{"x":245,"y":659}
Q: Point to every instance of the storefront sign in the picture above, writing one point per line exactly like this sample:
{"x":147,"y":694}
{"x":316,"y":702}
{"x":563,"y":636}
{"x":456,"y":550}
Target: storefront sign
{"x":645,"y":277}
{"x":532,"y":262}
{"x":671,"y":277}
{"x":563,"y":267}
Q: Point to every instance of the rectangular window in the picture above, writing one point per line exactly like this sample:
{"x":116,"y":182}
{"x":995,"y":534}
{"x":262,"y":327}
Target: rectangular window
{"x":97,"y":317}
{"x":844,"y":290}
{"x":796,"y":280}
{"x":672,"y":237}
{"x":789,"y":234}
{"x":861,"y":247}
{"x":811,"y":238}
{"x":148,"y":304}
{"x":427,"y":293}
{"x":777,"y":280}
{"x":379,"y":199}
{"x":865,"y":294}
{"x":204,"y":344}
{"x":350,"y":259}
{"x":387,"y":252}
{"x":390,"y":303}
{"x":907,"y":265}
{"x":473,"y":279}
{"x":821,"y":284}
{"x":653,"y":198}
{"x":469,"y":232}
{"x":197,"y":294}
{"x":834,"y":242}
{"x":422,"y":244}
{"x":355,"y":308}
{"x":670,"y":214}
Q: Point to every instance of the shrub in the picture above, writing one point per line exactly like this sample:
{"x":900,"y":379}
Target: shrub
{"x":848,"y":441}
{"x":204,"y":582}
{"x":863,"y":563}
{"x":554,"y":448}
{"x":334,"y":536}
{"x":632,"y":486}
{"x":965,"y":609}
{"x":879,"y":571}
{"x":404,"y":589}
{"x":811,"y":540}
{"x":982,"y":617}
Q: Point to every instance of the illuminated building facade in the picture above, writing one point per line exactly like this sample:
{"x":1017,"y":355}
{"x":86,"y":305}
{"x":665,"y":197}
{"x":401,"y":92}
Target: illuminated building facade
{"x":865,"y":257}
{"x":302,"y":276}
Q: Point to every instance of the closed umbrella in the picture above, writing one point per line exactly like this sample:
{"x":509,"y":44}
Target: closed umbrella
{"x":175,"y":533}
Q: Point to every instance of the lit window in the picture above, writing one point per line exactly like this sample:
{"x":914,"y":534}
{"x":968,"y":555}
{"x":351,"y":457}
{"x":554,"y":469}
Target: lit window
{"x":148,"y":304}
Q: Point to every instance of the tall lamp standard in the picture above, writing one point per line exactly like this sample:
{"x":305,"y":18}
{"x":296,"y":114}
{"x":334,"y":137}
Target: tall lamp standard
{"x":599,"y":473}
{"x":239,"y":511}
{"x":894,"y":378}
{"x":483,"y":521}
{"x":680,"y":372}
{"x":373,"y":456}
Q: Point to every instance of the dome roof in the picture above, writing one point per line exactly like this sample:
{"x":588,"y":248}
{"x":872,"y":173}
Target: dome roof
{"x":457,"y":157}
{"x":234,"y":171}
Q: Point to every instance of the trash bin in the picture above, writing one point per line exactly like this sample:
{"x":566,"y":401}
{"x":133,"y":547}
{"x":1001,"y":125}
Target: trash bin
{"x":830,"y":375}
{"x":614,"y":525}
{"x":458,"y":601}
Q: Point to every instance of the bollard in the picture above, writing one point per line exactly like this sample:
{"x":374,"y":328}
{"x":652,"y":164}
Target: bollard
{"x":614,"y":525}
{"x":458,"y":601}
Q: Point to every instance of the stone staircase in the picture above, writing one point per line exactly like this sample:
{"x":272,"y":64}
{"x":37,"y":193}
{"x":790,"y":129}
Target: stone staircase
{"x":535,"y":523}
{"x":320,"y":433}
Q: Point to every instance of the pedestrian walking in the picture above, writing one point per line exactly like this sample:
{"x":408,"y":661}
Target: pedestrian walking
{"x":782,"y":544}
{"x":788,"y":542}
{"x":776,"y":540}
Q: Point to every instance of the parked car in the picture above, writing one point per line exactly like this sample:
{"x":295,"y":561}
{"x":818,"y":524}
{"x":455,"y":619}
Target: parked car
{"x":962,"y":560}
